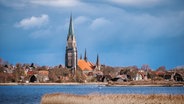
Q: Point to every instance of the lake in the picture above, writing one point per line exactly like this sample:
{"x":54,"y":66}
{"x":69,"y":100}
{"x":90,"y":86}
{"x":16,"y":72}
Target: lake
{"x":31,"y":94}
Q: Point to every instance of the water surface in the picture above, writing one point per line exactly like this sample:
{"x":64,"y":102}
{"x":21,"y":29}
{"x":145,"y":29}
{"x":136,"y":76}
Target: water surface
{"x":32,"y":94}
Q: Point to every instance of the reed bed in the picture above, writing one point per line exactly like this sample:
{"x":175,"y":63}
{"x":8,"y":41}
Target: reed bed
{"x":60,"y":98}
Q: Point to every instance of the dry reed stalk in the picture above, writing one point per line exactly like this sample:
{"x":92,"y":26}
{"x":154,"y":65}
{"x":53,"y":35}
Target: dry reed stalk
{"x":112,"y":99}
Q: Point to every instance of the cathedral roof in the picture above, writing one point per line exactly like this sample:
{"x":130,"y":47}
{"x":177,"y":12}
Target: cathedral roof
{"x":85,"y":65}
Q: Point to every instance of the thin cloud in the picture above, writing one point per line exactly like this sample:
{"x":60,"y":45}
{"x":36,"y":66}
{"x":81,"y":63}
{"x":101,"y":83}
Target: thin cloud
{"x":81,"y":20}
{"x":33,"y":22}
{"x":14,"y":3}
{"x":48,"y":3}
{"x":99,"y":22}
{"x":77,"y":21}
{"x":137,"y":3}
{"x":154,"y":26}
{"x":41,"y":34}
{"x":57,"y":3}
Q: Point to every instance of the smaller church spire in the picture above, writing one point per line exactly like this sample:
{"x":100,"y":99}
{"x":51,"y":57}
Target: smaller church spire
{"x":85,"y":56}
{"x":71,"y":29}
{"x":97,"y":63}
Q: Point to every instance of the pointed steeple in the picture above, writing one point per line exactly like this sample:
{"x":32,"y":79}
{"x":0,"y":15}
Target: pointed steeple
{"x":85,"y":56}
{"x":97,"y":63}
{"x":71,"y":29}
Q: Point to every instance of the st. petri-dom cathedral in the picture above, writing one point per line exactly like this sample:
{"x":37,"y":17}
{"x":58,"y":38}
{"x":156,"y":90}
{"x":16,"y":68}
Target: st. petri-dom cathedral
{"x":71,"y":56}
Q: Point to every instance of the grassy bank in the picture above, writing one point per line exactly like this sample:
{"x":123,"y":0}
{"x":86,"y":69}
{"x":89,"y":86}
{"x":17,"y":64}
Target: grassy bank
{"x":112,"y":99}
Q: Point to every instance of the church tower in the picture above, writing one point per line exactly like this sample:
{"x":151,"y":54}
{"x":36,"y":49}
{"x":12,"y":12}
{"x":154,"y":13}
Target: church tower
{"x":71,"y":49}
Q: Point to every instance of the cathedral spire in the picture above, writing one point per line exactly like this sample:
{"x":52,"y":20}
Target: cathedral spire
{"x":71,"y":49}
{"x":85,"y":56}
{"x":71,"y":29}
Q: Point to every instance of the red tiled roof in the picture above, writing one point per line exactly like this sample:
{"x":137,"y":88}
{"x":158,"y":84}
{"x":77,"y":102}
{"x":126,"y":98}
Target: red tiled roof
{"x":160,"y":73}
{"x":30,"y":72}
{"x":43,"y":72}
{"x":85,"y":65}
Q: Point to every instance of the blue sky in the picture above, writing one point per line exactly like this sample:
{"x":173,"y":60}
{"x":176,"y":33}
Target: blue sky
{"x":122,"y":32}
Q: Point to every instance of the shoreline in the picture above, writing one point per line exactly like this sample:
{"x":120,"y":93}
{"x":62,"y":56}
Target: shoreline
{"x":95,"y":83}
{"x":148,"y":83}
{"x":70,"y":83}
